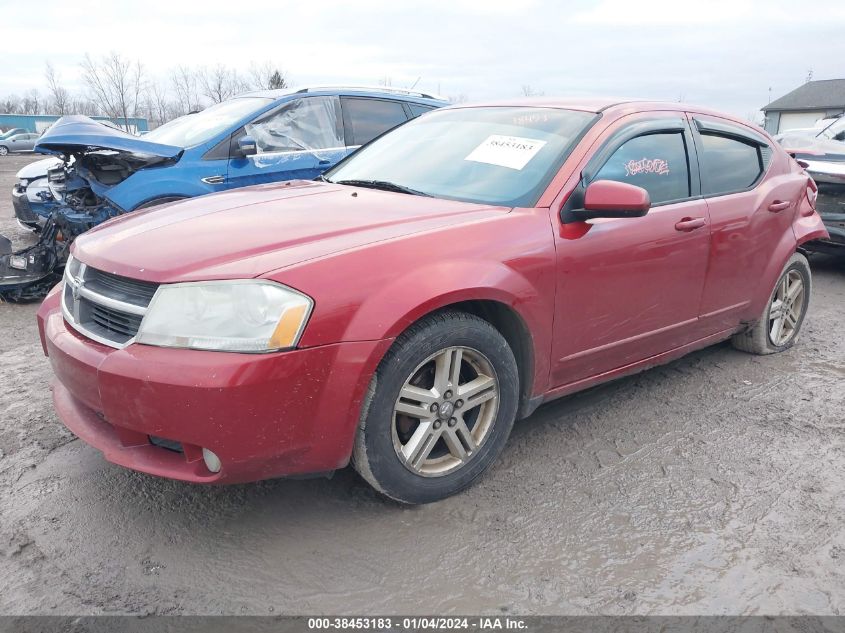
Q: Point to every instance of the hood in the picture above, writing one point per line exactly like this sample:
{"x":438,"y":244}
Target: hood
{"x":38,"y":169}
{"x":810,"y":147}
{"x":79,"y":134}
{"x":251,"y":231}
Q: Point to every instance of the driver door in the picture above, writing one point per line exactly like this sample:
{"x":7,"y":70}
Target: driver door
{"x":630,"y":288}
{"x":298,"y":140}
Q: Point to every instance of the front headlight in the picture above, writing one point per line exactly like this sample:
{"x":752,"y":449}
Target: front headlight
{"x":228,"y":316}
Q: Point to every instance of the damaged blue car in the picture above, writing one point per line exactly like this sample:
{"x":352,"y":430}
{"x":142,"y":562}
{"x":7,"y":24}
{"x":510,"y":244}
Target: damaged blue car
{"x":254,"y":138}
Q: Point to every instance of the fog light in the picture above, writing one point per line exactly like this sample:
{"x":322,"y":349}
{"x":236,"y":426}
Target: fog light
{"x":212,"y":462}
{"x":17,"y":261}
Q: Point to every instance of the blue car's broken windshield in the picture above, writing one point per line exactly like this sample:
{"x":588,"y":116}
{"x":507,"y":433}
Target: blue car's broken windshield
{"x":194,"y":129}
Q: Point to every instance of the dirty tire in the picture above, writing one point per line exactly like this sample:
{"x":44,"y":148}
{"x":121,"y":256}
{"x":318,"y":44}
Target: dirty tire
{"x":3,"y":150}
{"x":757,"y":339}
{"x":375,"y":455}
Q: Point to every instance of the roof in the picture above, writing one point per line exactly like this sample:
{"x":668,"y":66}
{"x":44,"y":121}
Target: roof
{"x":813,"y":95}
{"x":594,"y":104}
{"x":382,"y":90}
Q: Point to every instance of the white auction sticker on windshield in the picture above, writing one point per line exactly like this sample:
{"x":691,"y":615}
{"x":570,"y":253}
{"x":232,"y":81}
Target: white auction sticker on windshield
{"x":506,"y":151}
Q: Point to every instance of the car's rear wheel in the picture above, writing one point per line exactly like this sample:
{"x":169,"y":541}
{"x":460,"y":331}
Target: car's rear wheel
{"x":439,"y":409}
{"x":780,"y":324}
{"x":3,"y":150}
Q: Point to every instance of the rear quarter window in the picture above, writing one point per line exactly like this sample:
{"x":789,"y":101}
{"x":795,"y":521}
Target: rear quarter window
{"x":417,"y":109}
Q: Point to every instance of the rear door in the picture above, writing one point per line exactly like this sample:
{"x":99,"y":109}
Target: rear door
{"x":630,"y":288}
{"x":298,"y":140}
{"x":366,"y":118}
{"x":749,"y":214}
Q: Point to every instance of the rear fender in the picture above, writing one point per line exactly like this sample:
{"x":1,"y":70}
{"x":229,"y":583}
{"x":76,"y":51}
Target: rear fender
{"x":808,"y":224}
{"x":785,"y":248}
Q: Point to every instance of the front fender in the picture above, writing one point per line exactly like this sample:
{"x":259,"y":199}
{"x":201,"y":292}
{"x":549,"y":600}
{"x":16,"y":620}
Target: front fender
{"x":411,"y":296}
{"x":377,"y":290}
{"x":149,"y":184}
{"x":408,"y":298}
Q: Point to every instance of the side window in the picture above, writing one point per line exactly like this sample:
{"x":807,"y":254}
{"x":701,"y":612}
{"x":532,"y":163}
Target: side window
{"x":304,"y":124}
{"x":365,"y":119}
{"x":417,"y":109}
{"x":655,"y":162}
{"x":728,"y":164}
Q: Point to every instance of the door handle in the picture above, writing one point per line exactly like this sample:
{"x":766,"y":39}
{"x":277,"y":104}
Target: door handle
{"x":690,"y":224}
{"x":779,"y":205}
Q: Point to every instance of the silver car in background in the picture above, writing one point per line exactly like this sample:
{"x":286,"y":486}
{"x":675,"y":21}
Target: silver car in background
{"x":22,"y":142}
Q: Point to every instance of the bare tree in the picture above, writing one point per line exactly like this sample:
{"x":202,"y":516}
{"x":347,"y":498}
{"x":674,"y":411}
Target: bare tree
{"x":115,"y":83}
{"x":158,"y":108}
{"x":31,"y":103}
{"x":266,"y":76}
{"x":528,"y":91}
{"x":58,"y":93}
{"x":184,"y":80}
{"x":220,"y":83}
{"x":11,"y":104}
{"x":85,"y":106}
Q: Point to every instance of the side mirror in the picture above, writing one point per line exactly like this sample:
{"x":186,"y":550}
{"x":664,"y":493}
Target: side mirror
{"x":247,"y":146}
{"x":612,"y":199}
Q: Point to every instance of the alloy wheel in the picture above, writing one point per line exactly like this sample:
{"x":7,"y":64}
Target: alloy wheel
{"x":445,"y":411}
{"x":786,"y":309}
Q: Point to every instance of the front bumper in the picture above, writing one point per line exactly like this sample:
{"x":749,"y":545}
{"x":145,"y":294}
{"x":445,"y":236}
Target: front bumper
{"x":263,"y":415}
{"x":24,"y":212}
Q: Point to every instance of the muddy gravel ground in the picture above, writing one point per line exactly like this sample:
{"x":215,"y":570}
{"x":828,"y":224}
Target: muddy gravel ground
{"x":712,"y":485}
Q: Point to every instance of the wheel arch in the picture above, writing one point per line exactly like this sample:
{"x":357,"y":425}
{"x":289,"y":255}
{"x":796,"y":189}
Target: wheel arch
{"x":159,"y":200}
{"x":507,"y":320}
{"x":512,"y":302}
{"x":780,"y":256}
{"x":511,"y":325}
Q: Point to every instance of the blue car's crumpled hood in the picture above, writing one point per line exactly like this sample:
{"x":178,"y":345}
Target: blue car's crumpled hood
{"x":75,"y":134}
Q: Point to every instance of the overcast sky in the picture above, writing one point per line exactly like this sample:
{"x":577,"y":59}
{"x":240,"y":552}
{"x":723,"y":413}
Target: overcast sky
{"x":724,"y":54}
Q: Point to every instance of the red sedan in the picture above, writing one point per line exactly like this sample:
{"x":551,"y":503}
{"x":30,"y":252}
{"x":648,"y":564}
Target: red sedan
{"x":434,"y":287}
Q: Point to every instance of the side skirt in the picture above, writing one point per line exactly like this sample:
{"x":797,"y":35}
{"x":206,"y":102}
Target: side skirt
{"x":627,"y":370}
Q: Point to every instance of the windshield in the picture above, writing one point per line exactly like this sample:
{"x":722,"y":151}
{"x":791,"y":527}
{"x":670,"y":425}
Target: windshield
{"x":493,"y":155}
{"x":193,"y":129}
{"x":834,"y":129}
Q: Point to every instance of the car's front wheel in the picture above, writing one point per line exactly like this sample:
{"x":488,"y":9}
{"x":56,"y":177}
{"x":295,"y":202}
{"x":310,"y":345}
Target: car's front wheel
{"x":3,"y":150}
{"x":781,"y":321}
{"x":439,"y":409}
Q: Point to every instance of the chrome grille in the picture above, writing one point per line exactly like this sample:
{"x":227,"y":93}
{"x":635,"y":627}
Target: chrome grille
{"x":104,"y":307}
{"x":121,"y":288}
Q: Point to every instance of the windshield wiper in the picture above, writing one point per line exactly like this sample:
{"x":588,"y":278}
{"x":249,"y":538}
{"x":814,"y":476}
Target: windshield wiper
{"x":384,"y":185}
